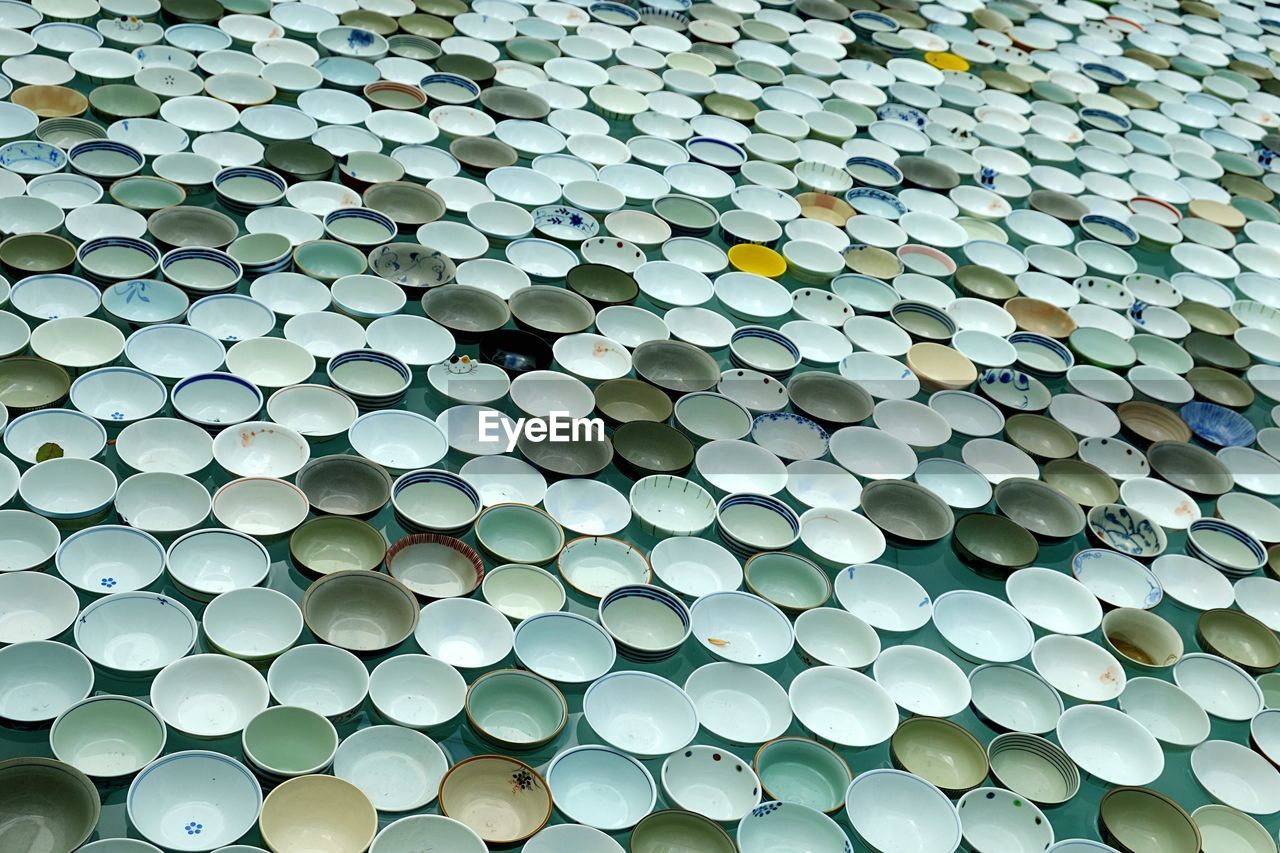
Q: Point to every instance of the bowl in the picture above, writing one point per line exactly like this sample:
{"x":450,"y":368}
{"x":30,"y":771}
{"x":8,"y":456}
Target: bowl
{"x":661,"y":830}
{"x":981,"y":627}
{"x":1221,"y":687}
{"x":1126,"y":530}
{"x":409,"y":834}
{"x":1117,"y":580}
{"x":922,"y":681}
{"x":804,"y":772}
{"x":878,"y":801}
{"x":600,"y":787}
{"x":396,"y":768}
{"x":1238,"y":638}
{"x":110,"y":558}
{"x":515,"y":533}
{"x":1033,"y":767}
{"x":1053,"y":601}
{"x":823,"y":698}
{"x":416,"y":691}
{"x":35,"y":606}
{"x":206,"y":563}
{"x":993,"y":816}
{"x":642,"y":714}
{"x":1039,"y":507}
{"x":1110,"y":745}
{"x":181,"y":693}
{"x":307,"y":810}
{"x":361,"y":611}
{"x":159,"y":630}
{"x":909,"y":514}
{"x":940,"y":752}
{"x":504,"y":800}
{"x":1165,"y":710}
{"x":1078,"y":668}
{"x":1142,"y":638}
{"x":348,"y":486}
{"x":465,"y":633}
{"x":833,"y":637}
{"x":217,"y":798}
{"x":41,"y":679}
{"x":254,"y":624}
{"x":284,"y":742}
{"x":513,"y":709}
{"x":321,"y":678}
{"x":108,"y":737}
{"x":260,"y":506}
{"x":993,"y":545}
{"x":1133,"y":818}
{"x":1009,"y":698}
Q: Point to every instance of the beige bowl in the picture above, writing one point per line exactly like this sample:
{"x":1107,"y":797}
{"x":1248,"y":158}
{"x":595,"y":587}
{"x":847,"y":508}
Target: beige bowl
{"x":504,"y":800}
{"x":360,"y":611}
{"x":312,"y":813}
{"x":940,"y":367}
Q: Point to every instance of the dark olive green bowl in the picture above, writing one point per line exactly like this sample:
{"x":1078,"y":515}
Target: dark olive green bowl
{"x":300,"y":161}
{"x":992,"y":545}
{"x":642,"y":448}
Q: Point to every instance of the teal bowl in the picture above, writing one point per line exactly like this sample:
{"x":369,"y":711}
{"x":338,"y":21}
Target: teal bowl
{"x":516,"y":710}
{"x":517,"y":533}
{"x":799,"y":770}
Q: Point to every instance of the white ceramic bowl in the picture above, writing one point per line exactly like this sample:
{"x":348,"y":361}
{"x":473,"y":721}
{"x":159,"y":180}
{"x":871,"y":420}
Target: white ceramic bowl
{"x":209,"y":696}
{"x":417,"y":691}
{"x":35,"y":606}
{"x":209,"y":792}
{"x":600,"y":787}
{"x":891,"y":808}
{"x":40,"y":679}
{"x":1078,"y":668}
{"x":321,"y":678}
{"x":1110,"y":745}
{"x":657,"y":720}
{"x":135,"y":633}
{"x":922,"y":681}
{"x":843,"y":706}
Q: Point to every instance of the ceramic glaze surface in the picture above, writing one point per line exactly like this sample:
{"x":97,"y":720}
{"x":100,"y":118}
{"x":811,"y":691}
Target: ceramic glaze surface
{"x":839,"y":280}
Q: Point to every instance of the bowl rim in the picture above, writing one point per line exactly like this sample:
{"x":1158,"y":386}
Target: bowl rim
{"x":521,"y":767}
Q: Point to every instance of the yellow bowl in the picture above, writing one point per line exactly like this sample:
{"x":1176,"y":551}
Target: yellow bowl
{"x":947,"y":61}
{"x":761,"y":260}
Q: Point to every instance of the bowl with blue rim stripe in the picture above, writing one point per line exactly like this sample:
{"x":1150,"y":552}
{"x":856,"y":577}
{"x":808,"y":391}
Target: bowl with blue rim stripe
{"x":216,"y":400}
{"x":108,"y":260}
{"x":1041,"y":355}
{"x":105,"y":160}
{"x":749,"y":523}
{"x":648,"y":624}
{"x":196,"y":269}
{"x":433,"y":500}
{"x":763,"y":349}
{"x":1225,"y":546}
{"x":375,"y":380}
{"x":243,"y":189}
{"x":359,"y":226}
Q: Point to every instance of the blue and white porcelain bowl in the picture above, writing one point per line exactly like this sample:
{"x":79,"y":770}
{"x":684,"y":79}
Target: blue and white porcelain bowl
{"x":216,"y":400}
{"x":375,"y":380}
{"x":1225,"y":546}
{"x":29,"y":157}
{"x":1217,"y":425}
{"x":172,"y":351}
{"x":435,"y":501}
{"x":776,"y":825}
{"x":201,"y":271}
{"x":230,"y":317}
{"x":1126,"y":530}
{"x":1041,"y":355}
{"x":750,"y":523}
{"x":144,"y":302}
{"x":647,"y":623}
{"x":243,"y":189}
{"x":359,"y":226}
{"x":763,"y":349}
{"x":105,"y":160}
{"x":564,"y":224}
{"x":118,"y":396}
{"x":194,"y":800}
{"x":52,"y":295}
{"x":789,"y":436}
{"x":108,"y":260}
{"x":110,"y":558}
{"x":1116,"y":580}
